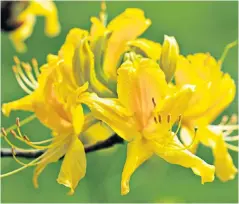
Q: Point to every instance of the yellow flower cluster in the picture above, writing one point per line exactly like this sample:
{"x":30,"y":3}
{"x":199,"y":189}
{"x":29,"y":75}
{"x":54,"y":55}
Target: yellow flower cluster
{"x":26,"y":19}
{"x":135,"y":98}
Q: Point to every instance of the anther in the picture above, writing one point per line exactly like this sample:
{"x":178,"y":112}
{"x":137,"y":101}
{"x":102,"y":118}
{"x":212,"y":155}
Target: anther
{"x":4,"y":132}
{"x":27,"y":67}
{"x":155,"y":120}
{"x":233,"y":119}
{"x":224,"y":119}
{"x":13,"y":151}
{"x":16,"y":60}
{"x":14,"y":68}
{"x":160,"y":118}
{"x":26,"y":138}
{"x":18,"y":122}
{"x":168,"y":118}
{"x":34,"y":62}
{"x":195,"y":129}
{"x":13,"y":133}
{"x":154,"y":102}
{"x":180,"y":118}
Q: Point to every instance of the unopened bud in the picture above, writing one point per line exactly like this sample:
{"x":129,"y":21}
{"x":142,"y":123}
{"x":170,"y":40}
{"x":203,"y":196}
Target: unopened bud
{"x":169,"y":57}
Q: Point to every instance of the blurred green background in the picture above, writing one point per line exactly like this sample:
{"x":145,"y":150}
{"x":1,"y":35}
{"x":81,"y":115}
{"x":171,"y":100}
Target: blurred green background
{"x":198,"y":27}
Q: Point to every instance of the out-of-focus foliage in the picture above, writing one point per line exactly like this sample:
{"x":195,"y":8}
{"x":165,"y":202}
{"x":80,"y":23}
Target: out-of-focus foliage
{"x":198,"y":27}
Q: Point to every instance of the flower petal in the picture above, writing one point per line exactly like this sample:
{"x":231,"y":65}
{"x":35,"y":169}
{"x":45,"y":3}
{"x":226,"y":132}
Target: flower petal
{"x":51,"y":155}
{"x":73,"y":167}
{"x":113,"y":114}
{"x":138,"y":83}
{"x":175,"y":153}
{"x":25,"y":104}
{"x":146,"y":48}
{"x":176,"y":104}
{"x":77,"y":118}
{"x":125,"y":27}
{"x":225,"y":169}
{"x":138,"y":151}
{"x":49,"y":11}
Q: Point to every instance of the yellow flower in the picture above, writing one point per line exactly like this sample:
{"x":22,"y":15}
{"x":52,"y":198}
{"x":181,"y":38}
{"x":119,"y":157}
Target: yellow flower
{"x":54,"y":101}
{"x":27,"y":20}
{"x":215,"y":90}
{"x":143,"y":114}
{"x":111,"y":40}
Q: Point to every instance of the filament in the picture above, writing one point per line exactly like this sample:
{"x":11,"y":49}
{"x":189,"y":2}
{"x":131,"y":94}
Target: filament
{"x":28,"y":71}
{"x":22,"y":85}
{"x":233,"y":147}
{"x":21,"y":168}
{"x":35,"y":67}
{"x":226,"y":50}
{"x":232,"y":138}
{"x":23,"y":122}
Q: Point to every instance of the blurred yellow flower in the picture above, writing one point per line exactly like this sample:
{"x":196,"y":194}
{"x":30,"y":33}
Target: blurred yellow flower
{"x":27,"y":20}
{"x":214,"y":91}
{"x":143,"y":114}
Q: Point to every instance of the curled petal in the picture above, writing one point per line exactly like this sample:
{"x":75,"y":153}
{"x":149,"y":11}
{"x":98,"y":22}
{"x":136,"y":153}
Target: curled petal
{"x":175,"y":153}
{"x":225,"y":169}
{"x":73,"y":167}
{"x":25,"y":104}
{"x":125,"y":27}
{"x":138,"y":151}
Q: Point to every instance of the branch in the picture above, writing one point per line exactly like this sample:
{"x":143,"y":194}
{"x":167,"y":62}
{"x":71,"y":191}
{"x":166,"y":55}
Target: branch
{"x":111,"y":141}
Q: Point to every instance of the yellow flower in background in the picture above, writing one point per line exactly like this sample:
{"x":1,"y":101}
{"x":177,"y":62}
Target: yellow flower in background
{"x":26,"y":19}
{"x":214,"y":91}
{"x":54,"y":101}
{"x":144,"y":114}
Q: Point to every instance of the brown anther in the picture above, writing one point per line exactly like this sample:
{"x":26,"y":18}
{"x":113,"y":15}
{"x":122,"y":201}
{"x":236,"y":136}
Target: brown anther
{"x":14,"y":69}
{"x":4,"y":132}
{"x":16,"y":60}
{"x":168,"y":118}
{"x":13,"y":133}
{"x":160,"y":118}
{"x":13,"y":151}
{"x":154,"y":102}
{"x":26,"y":66}
{"x":18,"y":122}
{"x":224,"y":119}
{"x":26,"y":138}
{"x":195,"y":129}
{"x":103,"y":6}
{"x":233,"y":119}
{"x":34,"y":62}
{"x":180,"y":118}
{"x":155,"y":120}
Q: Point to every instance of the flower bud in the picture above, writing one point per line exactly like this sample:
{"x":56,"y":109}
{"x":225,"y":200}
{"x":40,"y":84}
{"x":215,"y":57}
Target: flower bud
{"x":169,"y":57}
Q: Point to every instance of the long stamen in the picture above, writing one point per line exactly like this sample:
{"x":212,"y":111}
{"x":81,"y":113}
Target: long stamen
{"x":20,"y":82}
{"x":227,"y":48}
{"x":21,"y":74}
{"x":35,"y":67}
{"x":179,"y":124}
{"x":232,"y":138}
{"x":224,"y":120}
{"x":28,"y":70}
{"x":21,"y":168}
{"x":23,"y":122}
{"x":103,"y":14}
{"x":16,"y":159}
{"x":232,"y":147}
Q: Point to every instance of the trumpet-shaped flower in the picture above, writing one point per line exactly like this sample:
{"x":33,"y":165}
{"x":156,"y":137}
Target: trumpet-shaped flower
{"x":215,"y":90}
{"x":26,"y":19}
{"x":111,"y":41}
{"x":54,"y":102}
{"x":143,"y":114}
